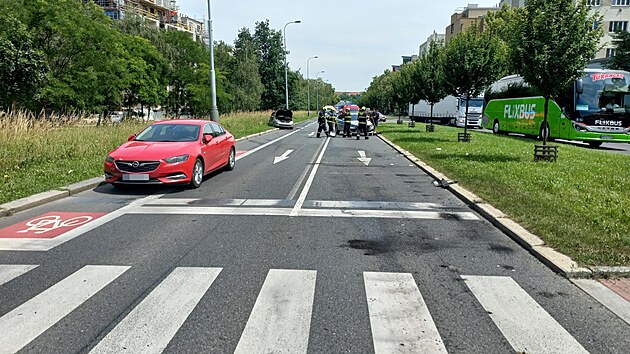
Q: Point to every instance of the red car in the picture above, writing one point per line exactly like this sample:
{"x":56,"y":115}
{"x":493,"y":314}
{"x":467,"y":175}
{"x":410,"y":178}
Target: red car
{"x":172,"y":152}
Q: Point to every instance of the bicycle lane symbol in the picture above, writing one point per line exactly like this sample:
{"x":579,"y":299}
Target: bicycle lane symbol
{"x":49,"y":225}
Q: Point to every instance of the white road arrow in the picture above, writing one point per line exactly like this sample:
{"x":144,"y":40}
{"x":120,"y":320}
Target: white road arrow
{"x":311,"y":134}
{"x":283,"y":157}
{"x":365,"y":160}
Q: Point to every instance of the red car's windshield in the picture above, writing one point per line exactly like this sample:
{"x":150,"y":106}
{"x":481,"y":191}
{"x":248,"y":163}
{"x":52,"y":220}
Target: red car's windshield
{"x":170,"y":133}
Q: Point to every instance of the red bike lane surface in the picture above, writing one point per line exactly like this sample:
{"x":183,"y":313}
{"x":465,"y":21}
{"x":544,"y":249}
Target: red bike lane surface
{"x":48,"y":225}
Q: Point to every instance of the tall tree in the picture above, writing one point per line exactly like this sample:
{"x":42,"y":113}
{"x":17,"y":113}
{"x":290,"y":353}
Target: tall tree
{"x":473,"y":61}
{"x":555,"y":42}
{"x":245,"y":85}
{"x":270,"y":59}
{"x":621,"y":59}
{"x":22,"y":67}
{"x":430,"y":75}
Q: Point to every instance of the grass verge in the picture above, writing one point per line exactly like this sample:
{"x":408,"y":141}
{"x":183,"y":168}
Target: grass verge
{"x":37,"y":156}
{"x":579,"y":205}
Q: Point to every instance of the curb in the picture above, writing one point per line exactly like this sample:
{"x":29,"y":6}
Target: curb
{"x":39,"y":199}
{"x":558,"y":262}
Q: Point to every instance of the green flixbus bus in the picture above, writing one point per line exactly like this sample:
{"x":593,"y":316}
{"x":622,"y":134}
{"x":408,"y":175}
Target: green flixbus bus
{"x":595,"y":109}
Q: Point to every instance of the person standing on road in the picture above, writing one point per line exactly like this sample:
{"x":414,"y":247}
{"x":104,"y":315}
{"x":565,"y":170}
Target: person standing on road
{"x":332,"y":120}
{"x":362,"y":127}
{"x":321,"y":121}
{"x":374,"y":119}
{"x":347,"y":121}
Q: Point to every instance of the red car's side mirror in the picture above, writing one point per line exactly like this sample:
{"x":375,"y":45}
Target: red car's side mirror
{"x":207,"y":138}
{"x":131,"y":137}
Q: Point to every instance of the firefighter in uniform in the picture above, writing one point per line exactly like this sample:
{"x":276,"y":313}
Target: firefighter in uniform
{"x":332,"y":120}
{"x":347,"y":121}
{"x":362,"y":127}
{"x":321,"y":121}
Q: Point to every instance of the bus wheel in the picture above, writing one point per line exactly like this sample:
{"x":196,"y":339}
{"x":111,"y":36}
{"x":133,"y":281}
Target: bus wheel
{"x":495,"y":127}
{"x":595,"y":144}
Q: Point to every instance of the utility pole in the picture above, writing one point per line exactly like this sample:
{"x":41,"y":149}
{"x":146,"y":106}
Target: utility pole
{"x":286,"y":69}
{"x":317,"y":83}
{"x":214,"y":112}
{"x":308,"y":85}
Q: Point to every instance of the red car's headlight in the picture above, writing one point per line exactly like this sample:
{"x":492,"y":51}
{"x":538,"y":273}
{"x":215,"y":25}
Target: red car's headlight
{"x":177,"y":159}
{"x":109,"y":159}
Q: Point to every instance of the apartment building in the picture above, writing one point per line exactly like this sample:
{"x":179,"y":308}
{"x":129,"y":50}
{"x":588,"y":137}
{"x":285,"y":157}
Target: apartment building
{"x":162,"y":14}
{"x":466,"y":17}
{"x":615,"y":16}
{"x":434,"y":37}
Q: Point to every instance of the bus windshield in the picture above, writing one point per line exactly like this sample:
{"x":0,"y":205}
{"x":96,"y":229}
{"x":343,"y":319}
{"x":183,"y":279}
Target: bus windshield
{"x":604,"y":92}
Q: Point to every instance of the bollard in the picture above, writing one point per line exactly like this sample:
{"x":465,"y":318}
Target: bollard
{"x":464,"y":137}
{"x":430,"y":128}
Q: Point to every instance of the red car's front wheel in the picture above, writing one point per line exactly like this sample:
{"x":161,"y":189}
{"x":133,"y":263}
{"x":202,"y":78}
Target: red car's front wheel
{"x":197,"y":174}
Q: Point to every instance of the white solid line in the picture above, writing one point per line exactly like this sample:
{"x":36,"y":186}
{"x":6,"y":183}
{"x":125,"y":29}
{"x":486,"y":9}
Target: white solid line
{"x":400,"y":320}
{"x":281,"y":318}
{"x":524,"y":323}
{"x":331,"y":213}
{"x":26,"y":322}
{"x":9,"y":272}
{"x":40,"y":244}
{"x":298,"y":183}
{"x":269,"y":143}
{"x":309,"y":181}
{"x":155,"y":321}
{"x":615,"y":303}
{"x":211,"y":211}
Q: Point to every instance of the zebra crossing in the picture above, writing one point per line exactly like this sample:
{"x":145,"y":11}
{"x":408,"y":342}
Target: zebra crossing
{"x":280,"y":320}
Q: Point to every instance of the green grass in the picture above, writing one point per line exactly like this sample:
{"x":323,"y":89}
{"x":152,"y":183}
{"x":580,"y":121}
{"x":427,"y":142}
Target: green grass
{"x":46,"y":156}
{"x":579,"y":205}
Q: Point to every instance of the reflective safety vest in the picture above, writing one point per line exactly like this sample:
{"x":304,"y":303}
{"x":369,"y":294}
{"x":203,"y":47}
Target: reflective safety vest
{"x":330,"y":118}
{"x":347,"y":118}
{"x":362,"y":118}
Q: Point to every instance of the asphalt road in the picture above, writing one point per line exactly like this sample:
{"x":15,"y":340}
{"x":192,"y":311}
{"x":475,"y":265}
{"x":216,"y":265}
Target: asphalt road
{"x":324,"y":252}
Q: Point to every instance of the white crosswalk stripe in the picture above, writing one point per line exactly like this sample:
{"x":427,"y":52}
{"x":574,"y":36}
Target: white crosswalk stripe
{"x":281,"y":318}
{"x":20,"y":326}
{"x":401,"y":322}
{"x":523,"y":322}
{"x":9,"y":272}
{"x":153,"y":323}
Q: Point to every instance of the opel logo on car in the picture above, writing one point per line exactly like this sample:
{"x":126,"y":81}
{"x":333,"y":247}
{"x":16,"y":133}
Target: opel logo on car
{"x":135,"y":164}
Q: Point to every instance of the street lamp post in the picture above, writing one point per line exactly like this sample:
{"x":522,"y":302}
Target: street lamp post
{"x":308,"y":88}
{"x":286,"y":77}
{"x":214,"y":112}
{"x":317,"y":82}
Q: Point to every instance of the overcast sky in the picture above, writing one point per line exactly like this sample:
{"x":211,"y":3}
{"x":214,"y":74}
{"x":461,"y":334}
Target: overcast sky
{"x":354,"y":39}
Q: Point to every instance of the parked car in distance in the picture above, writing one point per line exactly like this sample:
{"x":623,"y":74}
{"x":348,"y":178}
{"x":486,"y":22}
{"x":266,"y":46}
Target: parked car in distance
{"x":381,"y":117}
{"x":282,"y":118}
{"x":116,"y":116}
{"x":171,"y":152}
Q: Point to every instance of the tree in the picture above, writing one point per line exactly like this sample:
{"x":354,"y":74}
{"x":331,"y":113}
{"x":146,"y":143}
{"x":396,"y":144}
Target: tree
{"x":556,"y":41}
{"x":472,"y":61}
{"x":244,"y":79}
{"x":270,"y":60}
{"x":621,"y":59}
{"x":430,"y":75}
{"x":22,"y":67}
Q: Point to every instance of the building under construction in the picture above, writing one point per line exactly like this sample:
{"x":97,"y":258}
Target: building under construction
{"x":162,"y":14}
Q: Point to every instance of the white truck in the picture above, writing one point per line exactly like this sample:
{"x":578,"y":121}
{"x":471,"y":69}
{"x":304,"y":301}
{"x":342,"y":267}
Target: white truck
{"x":451,"y":110}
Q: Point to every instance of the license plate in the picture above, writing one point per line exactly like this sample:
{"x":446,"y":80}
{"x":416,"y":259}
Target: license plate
{"x":136,"y":177}
{"x":606,"y":137}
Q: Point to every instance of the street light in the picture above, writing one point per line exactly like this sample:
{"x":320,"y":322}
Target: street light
{"x":286,"y":77}
{"x":308,"y":83}
{"x":317,"y":81}
{"x":214,"y":112}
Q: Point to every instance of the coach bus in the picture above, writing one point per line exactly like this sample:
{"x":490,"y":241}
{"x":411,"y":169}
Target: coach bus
{"x":595,"y":109}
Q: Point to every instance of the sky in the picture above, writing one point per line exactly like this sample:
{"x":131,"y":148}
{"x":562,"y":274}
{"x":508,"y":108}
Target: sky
{"x":355,"y":40}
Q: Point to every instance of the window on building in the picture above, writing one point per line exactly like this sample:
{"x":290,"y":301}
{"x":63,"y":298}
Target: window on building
{"x":615,"y":26}
{"x":620,"y":2}
{"x":595,"y":25}
{"x":593,"y":2}
{"x":610,"y":52}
